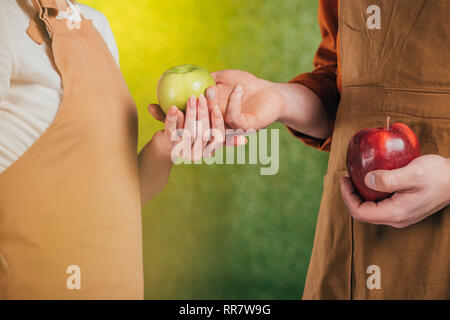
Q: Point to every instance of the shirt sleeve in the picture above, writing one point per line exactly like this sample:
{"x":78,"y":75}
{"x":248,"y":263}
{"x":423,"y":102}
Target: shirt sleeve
{"x":6,"y":59}
{"x":323,"y":79}
{"x":110,"y":40}
{"x":102,"y":25}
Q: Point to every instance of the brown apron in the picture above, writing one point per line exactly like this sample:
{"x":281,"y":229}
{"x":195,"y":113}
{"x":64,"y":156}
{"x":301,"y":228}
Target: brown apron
{"x":401,"y":70}
{"x":70,"y":213}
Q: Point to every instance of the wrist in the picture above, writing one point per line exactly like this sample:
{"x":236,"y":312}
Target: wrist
{"x":302,"y":110}
{"x":282,"y":107}
{"x":158,"y":148}
{"x":294,"y":98}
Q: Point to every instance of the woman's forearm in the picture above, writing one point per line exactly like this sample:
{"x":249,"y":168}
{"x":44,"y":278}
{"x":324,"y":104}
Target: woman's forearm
{"x":155,"y":165}
{"x":303,"y":110}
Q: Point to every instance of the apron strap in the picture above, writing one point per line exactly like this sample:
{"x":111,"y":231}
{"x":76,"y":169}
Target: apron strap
{"x":46,"y":13}
{"x":49,"y":4}
{"x":36,"y":30}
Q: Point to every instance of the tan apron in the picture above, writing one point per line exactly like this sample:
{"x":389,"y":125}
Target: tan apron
{"x":70,"y":213}
{"x":401,"y":70}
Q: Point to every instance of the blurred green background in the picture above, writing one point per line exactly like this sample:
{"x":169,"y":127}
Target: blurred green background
{"x":224,"y":231}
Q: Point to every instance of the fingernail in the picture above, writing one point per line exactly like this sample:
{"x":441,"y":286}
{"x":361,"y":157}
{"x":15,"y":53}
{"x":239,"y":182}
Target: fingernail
{"x":216,"y":111}
{"x":173,"y":111}
{"x":241,"y":140}
{"x":210,"y":94}
{"x":202,"y":105}
{"x":192,"y":102}
{"x":372,"y":178}
{"x":238,"y":88}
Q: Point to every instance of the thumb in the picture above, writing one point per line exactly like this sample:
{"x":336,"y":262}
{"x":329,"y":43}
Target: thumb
{"x":212,"y":97}
{"x":233,"y":115}
{"x":390,"y":180}
{"x":157,"y":113}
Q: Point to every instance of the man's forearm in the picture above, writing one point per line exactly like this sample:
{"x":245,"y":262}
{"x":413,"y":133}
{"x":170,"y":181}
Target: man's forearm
{"x":303,"y":110}
{"x":154,"y":169}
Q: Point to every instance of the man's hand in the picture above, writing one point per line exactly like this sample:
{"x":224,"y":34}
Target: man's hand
{"x":252,"y":103}
{"x":420,"y":189}
{"x":246,"y":101}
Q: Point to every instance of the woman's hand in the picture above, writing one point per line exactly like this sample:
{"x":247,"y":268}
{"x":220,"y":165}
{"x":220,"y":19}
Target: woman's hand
{"x":213,"y":106}
{"x":420,"y":189}
{"x":184,"y":136}
{"x":194,"y":135}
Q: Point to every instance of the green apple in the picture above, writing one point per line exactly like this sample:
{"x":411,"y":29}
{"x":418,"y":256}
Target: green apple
{"x":179,"y":83}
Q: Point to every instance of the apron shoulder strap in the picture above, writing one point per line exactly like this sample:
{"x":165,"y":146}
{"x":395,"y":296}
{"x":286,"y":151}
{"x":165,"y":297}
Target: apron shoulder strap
{"x":45,"y":16}
{"x":36,"y":30}
{"x":49,"y":4}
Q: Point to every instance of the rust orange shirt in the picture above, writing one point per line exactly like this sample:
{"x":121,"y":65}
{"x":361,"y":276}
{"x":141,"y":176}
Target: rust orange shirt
{"x":325,"y":79}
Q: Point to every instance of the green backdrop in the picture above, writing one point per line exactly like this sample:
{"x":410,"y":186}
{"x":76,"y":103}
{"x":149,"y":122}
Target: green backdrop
{"x":224,"y":231}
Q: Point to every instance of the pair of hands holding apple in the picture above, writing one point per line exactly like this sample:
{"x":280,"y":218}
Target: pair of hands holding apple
{"x":418,"y":189}
{"x":195,"y":124}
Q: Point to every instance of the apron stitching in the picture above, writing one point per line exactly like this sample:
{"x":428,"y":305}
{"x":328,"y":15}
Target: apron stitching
{"x":352,"y":252}
{"x":418,"y":90}
{"x":350,"y":258}
{"x":404,"y":114}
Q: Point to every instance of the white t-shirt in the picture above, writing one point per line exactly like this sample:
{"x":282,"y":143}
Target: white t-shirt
{"x":30,"y":86}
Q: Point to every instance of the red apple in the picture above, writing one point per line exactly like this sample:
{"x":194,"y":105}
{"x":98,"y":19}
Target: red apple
{"x":372,"y":149}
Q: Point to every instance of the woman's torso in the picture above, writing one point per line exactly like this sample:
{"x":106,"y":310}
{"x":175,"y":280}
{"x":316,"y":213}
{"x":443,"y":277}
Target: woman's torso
{"x":30,"y":85}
